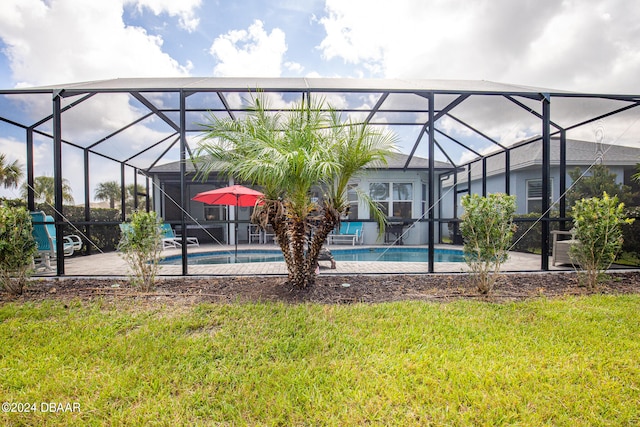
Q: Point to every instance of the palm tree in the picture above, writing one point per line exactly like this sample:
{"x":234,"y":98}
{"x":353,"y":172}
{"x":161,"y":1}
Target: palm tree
{"x":108,"y":190}
{"x":10,"y":173}
{"x":134,"y":191}
{"x":44,"y":190}
{"x":289,"y":154}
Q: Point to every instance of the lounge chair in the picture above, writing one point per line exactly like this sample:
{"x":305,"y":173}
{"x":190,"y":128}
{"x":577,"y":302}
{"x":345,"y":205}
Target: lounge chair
{"x":171,"y":240}
{"x":44,"y":233}
{"x":350,"y":232}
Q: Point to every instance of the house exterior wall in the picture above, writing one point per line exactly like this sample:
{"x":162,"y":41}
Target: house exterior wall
{"x":417,"y":233}
{"x":518,"y":187}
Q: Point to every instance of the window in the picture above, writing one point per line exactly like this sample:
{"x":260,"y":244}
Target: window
{"x":424,"y":200}
{"x":534,"y":195}
{"x":379,"y":193}
{"x":402,"y":200}
{"x":215,"y":213}
{"x":397,"y":203}
{"x":352,"y":196}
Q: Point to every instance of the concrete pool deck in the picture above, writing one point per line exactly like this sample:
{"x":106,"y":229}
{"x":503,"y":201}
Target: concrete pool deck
{"x":112,"y":264}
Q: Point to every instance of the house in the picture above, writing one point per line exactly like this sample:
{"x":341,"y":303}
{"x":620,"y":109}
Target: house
{"x":401,"y":191}
{"x":525,"y":172}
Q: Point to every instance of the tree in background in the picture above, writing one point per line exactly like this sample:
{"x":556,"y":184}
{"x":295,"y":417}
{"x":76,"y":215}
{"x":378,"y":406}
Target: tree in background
{"x":289,"y":154}
{"x":10,"y":173}
{"x":111,"y":191}
{"x":600,"y":181}
{"x":108,"y":191}
{"x":44,"y":190}
{"x":132,"y":192}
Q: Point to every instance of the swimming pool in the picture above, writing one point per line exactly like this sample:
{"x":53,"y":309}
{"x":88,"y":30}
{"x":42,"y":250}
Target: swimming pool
{"x":393,"y":254}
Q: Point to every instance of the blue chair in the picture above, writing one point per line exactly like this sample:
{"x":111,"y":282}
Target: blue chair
{"x":44,"y":233}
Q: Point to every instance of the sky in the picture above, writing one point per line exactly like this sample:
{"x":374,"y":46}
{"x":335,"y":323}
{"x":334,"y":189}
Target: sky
{"x":587,"y":45}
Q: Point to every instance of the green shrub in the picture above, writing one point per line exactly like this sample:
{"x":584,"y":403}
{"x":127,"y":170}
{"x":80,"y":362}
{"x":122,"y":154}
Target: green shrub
{"x":17,"y":248}
{"x":597,"y":227}
{"x":140,"y":245}
{"x":631,"y":235}
{"x":487,"y":228}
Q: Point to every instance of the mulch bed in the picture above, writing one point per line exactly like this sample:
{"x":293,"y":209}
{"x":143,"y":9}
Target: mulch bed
{"x":328,"y":289}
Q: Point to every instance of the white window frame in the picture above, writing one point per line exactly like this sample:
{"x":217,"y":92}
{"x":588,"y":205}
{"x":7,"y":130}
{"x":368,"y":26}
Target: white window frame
{"x":530,"y":198}
{"x":390,"y":200}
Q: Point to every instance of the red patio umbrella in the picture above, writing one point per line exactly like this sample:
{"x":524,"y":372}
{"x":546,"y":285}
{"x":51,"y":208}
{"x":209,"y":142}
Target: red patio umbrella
{"x":234,"y":195}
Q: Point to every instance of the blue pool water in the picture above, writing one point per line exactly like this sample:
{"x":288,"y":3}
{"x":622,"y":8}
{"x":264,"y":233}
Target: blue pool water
{"x":393,"y":254}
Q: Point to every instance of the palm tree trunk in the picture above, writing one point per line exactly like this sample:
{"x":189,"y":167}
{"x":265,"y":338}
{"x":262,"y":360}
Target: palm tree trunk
{"x":274,"y":213}
{"x":298,"y":237}
{"x":327,"y":224}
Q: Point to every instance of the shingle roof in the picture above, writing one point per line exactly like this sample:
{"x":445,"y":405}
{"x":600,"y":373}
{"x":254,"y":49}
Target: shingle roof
{"x":397,"y":161}
{"x":579,"y":153}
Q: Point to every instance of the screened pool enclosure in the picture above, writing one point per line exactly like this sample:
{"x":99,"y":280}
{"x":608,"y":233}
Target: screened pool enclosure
{"x":455,"y":138}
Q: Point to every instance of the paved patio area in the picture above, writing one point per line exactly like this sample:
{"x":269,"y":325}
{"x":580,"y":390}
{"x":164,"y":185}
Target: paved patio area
{"x":112,"y":264}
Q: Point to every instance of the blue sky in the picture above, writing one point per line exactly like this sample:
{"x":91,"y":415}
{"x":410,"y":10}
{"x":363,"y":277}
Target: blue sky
{"x":587,"y":45}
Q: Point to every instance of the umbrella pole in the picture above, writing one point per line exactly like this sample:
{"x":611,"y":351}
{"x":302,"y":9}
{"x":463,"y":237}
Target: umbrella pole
{"x":236,"y":233}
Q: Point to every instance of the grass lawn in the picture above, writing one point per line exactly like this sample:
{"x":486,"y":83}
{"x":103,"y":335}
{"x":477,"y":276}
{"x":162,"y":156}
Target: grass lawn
{"x":563,"y":362}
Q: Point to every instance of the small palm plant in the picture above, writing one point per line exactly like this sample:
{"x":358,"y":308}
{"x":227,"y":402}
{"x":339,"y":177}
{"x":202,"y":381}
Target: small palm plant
{"x":141,"y":245}
{"x":290,"y":154}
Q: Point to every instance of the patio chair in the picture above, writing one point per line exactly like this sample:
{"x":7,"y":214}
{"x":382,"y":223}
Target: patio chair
{"x":560,"y":248}
{"x":44,"y":233}
{"x":350,"y":232}
{"x":171,"y":240}
{"x":254,"y":233}
{"x":262,"y":235}
{"x":269,"y":234}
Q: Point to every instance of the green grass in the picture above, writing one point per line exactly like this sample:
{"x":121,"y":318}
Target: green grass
{"x":569,"y":362}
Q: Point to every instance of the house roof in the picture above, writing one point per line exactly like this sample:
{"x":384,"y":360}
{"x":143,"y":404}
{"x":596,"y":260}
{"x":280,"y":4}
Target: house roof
{"x":579,"y":153}
{"x":396,"y":162}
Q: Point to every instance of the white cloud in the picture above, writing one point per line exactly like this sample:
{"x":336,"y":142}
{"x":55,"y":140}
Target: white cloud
{"x":546,"y":43}
{"x":252,"y":52}
{"x":294,"y":67}
{"x":59,"y":41}
{"x":183,"y":9}
{"x":68,"y":41}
